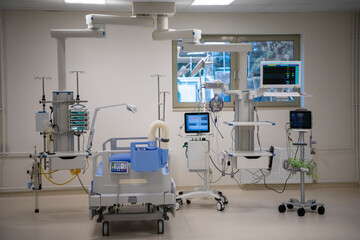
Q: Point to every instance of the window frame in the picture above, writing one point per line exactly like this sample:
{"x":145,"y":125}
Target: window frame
{"x":234,"y":69}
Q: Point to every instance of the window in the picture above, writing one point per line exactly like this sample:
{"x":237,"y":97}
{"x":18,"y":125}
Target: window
{"x":187,"y":92}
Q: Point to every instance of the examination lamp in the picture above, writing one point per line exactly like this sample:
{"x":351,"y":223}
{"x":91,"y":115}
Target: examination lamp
{"x":200,"y":65}
{"x":183,"y":70}
{"x":129,"y":107}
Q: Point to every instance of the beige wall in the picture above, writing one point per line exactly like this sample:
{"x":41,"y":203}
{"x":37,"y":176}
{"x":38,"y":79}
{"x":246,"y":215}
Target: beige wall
{"x":118,"y":69}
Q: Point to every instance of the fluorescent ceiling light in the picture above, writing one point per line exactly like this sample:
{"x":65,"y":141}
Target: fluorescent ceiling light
{"x":212,"y":2}
{"x":86,"y":1}
{"x":195,"y":53}
{"x":214,"y":43}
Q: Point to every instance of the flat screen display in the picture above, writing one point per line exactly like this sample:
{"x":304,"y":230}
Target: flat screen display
{"x":300,"y":119}
{"x":279,"y":74}
{"x":197,"y":122}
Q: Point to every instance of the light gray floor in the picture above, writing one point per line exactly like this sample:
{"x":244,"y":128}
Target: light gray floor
{"x":250,"y":214}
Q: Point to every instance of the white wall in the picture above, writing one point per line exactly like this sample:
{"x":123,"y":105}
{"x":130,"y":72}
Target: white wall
{"x":118,"y":69}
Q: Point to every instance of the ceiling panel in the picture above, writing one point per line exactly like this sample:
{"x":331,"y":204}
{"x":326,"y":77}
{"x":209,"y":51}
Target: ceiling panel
{"x":283,"y":8}
{"x":51,"y":5}
{"x":185,"y":5}
{"x":244,"y":8}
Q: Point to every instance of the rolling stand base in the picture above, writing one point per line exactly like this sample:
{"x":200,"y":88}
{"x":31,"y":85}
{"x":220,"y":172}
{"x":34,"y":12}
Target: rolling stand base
{"x":312,"y":204}
{"x":220,"y":199}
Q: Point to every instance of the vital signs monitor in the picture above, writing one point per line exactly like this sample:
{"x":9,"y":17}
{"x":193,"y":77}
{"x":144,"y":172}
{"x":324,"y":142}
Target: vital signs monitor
{"x":280,"y":74}
{"x":197,"y":122}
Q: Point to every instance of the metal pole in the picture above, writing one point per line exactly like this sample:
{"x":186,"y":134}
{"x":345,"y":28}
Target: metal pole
{"x":77,"y":86}
{"x":302,"y":174}
{"x":158,"y":94}
{"x":77,"y":83}
{"x":163,"y":118}
{"x":36,"y":201}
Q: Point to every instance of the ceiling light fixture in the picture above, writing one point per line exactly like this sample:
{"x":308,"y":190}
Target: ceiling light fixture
{"x":212,"y":2}
{"x":86,"y":1}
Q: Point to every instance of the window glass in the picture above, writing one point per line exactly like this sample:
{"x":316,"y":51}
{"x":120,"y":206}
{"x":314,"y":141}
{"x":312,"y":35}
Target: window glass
{"x":188,"y":79}
{"x":268,"y":51}
{"x":187,"y":91}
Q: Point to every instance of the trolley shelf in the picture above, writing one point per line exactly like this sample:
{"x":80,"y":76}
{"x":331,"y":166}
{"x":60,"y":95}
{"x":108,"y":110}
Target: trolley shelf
{"x":249,"y":153}
{"x":247,"y":124}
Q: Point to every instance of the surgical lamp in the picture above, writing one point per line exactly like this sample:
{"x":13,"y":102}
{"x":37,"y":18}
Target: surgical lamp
{"x":129,"y":107}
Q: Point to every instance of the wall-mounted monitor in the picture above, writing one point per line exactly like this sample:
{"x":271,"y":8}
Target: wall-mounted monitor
{"x":280,"y":74}
{"x":198,"y":122}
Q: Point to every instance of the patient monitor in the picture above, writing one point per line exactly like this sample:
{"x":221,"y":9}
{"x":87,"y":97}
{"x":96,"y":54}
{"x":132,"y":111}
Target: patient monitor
{"x":280,"y":74}
{"x":197,"y":122}
{"x":300,"y":119}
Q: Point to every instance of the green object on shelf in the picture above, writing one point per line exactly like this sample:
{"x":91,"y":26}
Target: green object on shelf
{"x":310,"y":165}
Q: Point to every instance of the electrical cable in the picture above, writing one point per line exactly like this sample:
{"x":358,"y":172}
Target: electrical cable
{"x":82,"y":185}
{"x":297,"y":148}
{"x":256,"y":178}
{"x":238,"y":184}
{"x":53,"y":181}
{"x":258,"y":129}
{"x":217,"y":179}
{"x":200,"y":176}
{"x":50,"y":172}
{"x":279,"y":192}
{"x":219,"y":169}
{"x":216,"y":126}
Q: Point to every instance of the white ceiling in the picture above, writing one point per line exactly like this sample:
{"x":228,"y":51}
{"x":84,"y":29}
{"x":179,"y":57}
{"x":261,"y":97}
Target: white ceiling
{"x":185,"y":5}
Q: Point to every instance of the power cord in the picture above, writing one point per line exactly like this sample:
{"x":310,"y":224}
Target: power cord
{"x":279,"y":192}
{"x":258,"y":129}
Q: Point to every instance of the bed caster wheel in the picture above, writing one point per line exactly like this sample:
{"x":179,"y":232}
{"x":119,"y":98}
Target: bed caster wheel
{"x":313,"y":207}
{"x":224,"y":199}
{"x":105,"y":229}
{"x":177,"y":206}
{"x":282,"y":208}
{"x":188,"y":201}
{"x":321,"y":210}
{"x":160,"y":226}
{"x":290,"y":206}
{"x":301,"y":212}
{"x":220,"y":206}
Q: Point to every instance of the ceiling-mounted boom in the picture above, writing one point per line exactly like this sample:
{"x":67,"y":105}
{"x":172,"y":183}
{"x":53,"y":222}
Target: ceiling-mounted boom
{"x":61,"y":35}
{"x":95,"y":21}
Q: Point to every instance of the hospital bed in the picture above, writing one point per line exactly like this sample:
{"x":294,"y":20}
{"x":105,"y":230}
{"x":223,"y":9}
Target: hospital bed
{"x":131,"y":183}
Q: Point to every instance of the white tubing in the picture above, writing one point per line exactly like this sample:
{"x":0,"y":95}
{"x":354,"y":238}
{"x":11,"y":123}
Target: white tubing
{"x":165,"y":132}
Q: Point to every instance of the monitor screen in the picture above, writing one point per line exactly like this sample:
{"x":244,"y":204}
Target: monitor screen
{"x":279,"y":74}
{"x":197,"y":122}
{"x":300,"y":119}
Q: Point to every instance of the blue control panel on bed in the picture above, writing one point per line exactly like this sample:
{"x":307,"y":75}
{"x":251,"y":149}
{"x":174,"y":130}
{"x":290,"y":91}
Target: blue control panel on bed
{"x":120,"y":167}
{"x":119,"y":163}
